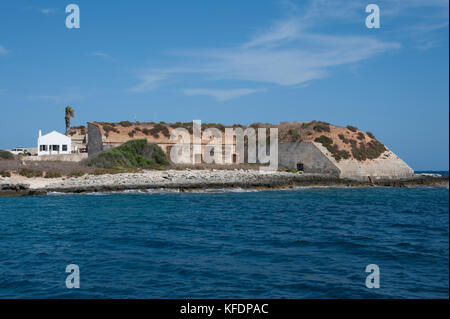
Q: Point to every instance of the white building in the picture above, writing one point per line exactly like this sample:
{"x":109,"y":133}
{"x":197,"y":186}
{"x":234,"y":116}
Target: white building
{"x":54,"y":143}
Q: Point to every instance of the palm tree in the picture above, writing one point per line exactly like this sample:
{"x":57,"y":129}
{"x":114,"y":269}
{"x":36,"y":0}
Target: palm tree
{"x":69,"y":113}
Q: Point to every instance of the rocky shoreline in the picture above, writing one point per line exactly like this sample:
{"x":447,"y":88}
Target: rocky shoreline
{"x":192,"y":180}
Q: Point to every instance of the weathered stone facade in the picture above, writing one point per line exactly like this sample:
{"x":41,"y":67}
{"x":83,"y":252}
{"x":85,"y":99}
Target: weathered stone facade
{"x":95,"y":141}
{"x":306,"y":154}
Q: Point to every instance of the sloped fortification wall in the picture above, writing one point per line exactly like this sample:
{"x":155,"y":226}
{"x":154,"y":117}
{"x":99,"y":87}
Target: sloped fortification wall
{"x":306,"y":153}
{"x":95,"y":143}
{"x":387,"y":166}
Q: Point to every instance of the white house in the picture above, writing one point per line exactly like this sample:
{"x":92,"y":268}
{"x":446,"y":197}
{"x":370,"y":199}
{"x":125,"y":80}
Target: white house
{"x":54,"y":143}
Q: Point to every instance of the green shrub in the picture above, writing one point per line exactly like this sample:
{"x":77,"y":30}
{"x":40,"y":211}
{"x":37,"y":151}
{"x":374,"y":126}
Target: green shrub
{"x":112,"y":171}
{"x":5,"y":174}
{"x":126,"y":123}
{"x":291,"y":170}
{"x":372,"y":150}
{"x":294,"y":134}
{"x":352,"y":128}
{"x":159,"y":128}
{"x":370,"y":135}
{"x":53,"y":175}
{"x":343,"y":138}
{"x":220,"y":127}
{"x":375,"y":149}
{"x":109,"y":128}
{"x":29,"y":173}
{"x":332,"y":148}
{"x":322,"y":127}
{"x":75,"y":174}
{"x":324,"y":140}
{"x":360,"y":136}
{"x":6,"y":155}
{"x":133,"y":154}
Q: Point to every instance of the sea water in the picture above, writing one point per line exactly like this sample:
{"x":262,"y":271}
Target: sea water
{"x":301,"y":243}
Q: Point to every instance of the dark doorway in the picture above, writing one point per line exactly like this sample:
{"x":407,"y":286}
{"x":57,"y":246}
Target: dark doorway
{"x":300,"y":167}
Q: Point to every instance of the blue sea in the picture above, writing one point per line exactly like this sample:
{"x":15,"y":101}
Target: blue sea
{"x":300,"y":243}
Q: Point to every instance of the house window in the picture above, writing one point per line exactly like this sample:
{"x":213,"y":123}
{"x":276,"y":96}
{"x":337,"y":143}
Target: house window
{"x":43,"y":148}
{"x":55,"y":147}
{"x":64,"y":148}
{"x":300,"y":167}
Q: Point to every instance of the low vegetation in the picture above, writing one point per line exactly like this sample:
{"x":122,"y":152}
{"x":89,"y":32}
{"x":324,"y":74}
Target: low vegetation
{"x":6,"y":155}
{"x":361,"y":136}
{"x":29,"y":173}
{"x":159,"y":128}
{"x":371,"y":150}
{"x":343,"y":139}
{"x":111,"y":171}
{"x":134,"y":154}
{"x":352,"y":128}
{"x":220,"y":127}
{"x":332,"y":148}
{"x":5,"y":174}
{"x":74,"y":129}
{"x":186,"y":125}
{"x":294,"y":134}
{"x":109,"y":128}
{"x":52,"y":175}
{"x":321,"y":127}
{"x":126,"y":123}
{"x":75,"y":174}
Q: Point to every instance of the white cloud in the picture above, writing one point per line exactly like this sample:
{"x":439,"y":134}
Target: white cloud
{"x":284,"y":56}
{"x":280,"y":32}
{"x":103,"y":55}
{"x":3,"y":50}
{"x":61,"y":98}
{"x":292,"y":51}
{"x":221,"y":95}
{"x":148,"y":82}
{"x":47,"y":11}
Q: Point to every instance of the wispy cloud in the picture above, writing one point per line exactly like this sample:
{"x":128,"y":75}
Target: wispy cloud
{"x":291,"y":52}
{"x":103,"y":55}
{"x":44,"y":11}
{"x":148,"y":82}
{"x":3,"y":50}
{"x":221,"y":95}
{"x":47,"y":11}
{"x":60,"y":98}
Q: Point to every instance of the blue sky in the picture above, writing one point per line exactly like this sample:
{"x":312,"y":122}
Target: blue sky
{"x":231,"y":62}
